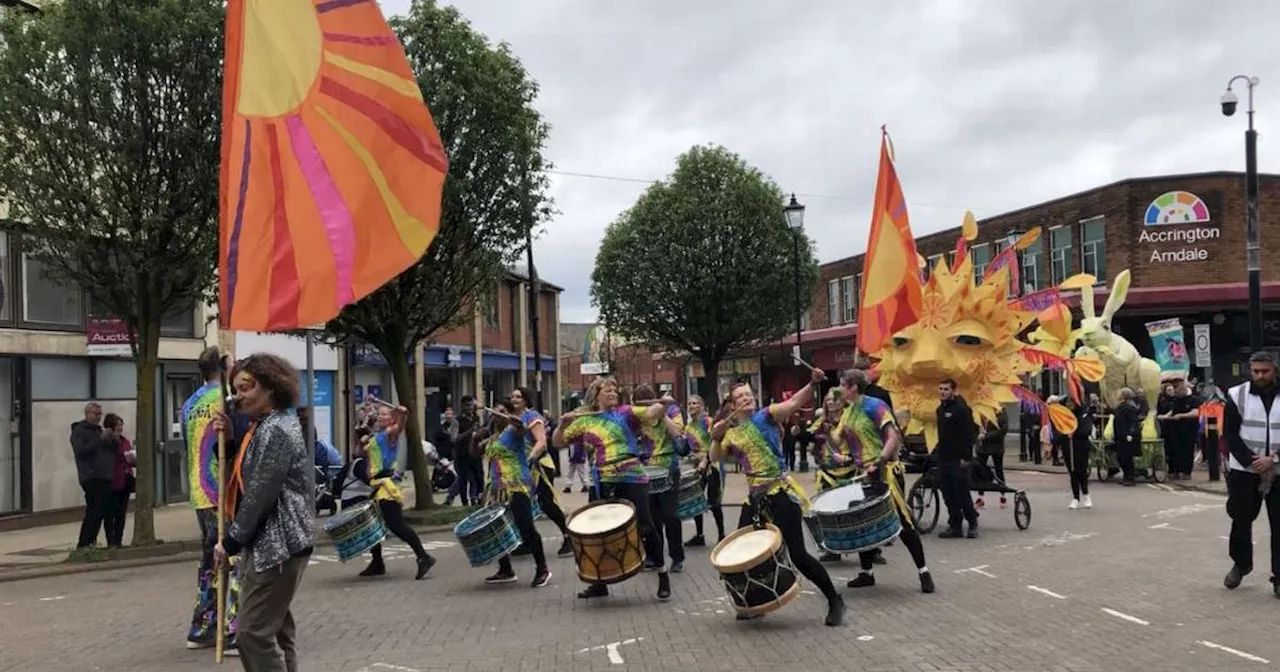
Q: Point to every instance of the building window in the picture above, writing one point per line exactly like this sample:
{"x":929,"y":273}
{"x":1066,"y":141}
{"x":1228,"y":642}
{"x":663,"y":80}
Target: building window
{"x":115,"y":379}
{"x":1093,"y":248}
{"x":849,"y":303}
{"x":54,"y":379}
{"x":981,"y":255}
{"x":833,"y":302}
{"x":1031,"y":266}
{"x":47,"y":301}
{"x":857,"y":295}
{"x":1060,"y":254}
{"x":6,"y":280}
{"x":804,"y":320}
{"x":931,"y":264}
{"x":492,"y":319}
{"x":179,"y":321}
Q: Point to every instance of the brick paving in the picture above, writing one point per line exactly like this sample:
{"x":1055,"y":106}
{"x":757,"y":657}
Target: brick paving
{"x":1134,"y":584}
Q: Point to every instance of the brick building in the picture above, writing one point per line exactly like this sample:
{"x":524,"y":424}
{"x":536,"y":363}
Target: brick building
{"x":1191,"y":267}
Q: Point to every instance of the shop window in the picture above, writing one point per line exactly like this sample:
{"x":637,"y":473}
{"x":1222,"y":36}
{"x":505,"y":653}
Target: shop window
{"x":1031,"y":266}
{"x":849,"y":301}
{"x":49,"y":301}
{"x":1059,"y":254}
{"x":54,"y":379}
{"x":981,"y":255}
{"x":1093,"y":248}
{"x":6,"y":280}
{"x":492,"y":318}
{"x":833,"y":302}
{"x":115,"y":379}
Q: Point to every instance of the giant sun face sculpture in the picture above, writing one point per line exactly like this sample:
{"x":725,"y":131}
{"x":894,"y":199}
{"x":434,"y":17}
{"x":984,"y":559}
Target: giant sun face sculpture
{"x":972,"y":333}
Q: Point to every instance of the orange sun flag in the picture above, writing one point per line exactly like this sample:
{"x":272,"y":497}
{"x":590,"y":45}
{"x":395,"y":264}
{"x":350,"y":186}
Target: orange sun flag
{"x":332,"y":169}
{"x":891,"y":289}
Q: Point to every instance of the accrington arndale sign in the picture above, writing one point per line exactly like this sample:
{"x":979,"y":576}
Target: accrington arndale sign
{"x":1165,"y":228}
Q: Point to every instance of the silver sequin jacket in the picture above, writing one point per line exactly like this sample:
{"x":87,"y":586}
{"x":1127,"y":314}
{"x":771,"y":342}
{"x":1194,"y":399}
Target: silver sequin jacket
{"x":275,"y":519}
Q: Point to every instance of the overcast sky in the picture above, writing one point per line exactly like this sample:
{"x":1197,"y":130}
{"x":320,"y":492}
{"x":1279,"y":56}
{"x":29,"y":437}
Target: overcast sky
{"x":992,"y":104}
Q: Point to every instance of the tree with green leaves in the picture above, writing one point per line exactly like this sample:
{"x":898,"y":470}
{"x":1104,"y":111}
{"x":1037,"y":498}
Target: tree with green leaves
{"x":109,"y":166}
{"x":703,"y":263}
{"x":482,"y":99}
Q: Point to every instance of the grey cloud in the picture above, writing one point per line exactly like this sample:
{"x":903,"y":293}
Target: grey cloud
{"x":993,"y":104}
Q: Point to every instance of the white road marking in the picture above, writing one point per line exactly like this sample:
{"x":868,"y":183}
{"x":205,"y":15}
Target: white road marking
{"x":1045,"y":591}
{"x":1124,"y":616}
{"x":611,"y":649}
{"x":1165,"y":526}
{"x":978,"y":570}
{"x":1234,"y":652}
{"x":865,"y":638}
{"x":53,"y":599}
{"x":385,"y":666}
{"x":1065,"y":537}
{"x":1181,"y":511}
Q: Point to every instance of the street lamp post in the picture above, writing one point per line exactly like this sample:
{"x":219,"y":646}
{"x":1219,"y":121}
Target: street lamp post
{"x":1252,"y":250}
{"x":795,"y":219}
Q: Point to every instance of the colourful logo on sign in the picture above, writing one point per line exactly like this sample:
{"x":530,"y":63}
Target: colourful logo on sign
{"x":1177,"y":207}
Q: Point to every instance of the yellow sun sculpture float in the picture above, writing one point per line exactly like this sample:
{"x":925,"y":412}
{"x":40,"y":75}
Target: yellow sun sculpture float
{"x":972,"y":332}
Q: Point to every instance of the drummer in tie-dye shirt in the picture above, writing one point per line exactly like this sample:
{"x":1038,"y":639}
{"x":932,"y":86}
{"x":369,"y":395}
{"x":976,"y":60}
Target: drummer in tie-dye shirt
{"x":664,"y":438}
{"x":511,"y":461}
{"x":870,"y":439}
{"x":753,"y":436}
{"x":540,"y":465}
{"x":610,"y":432}
{"x":697,"y":432}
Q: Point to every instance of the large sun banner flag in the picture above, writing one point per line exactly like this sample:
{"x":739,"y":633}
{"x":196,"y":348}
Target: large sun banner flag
{"x":891,"y":285}
{"x":332,"y":169}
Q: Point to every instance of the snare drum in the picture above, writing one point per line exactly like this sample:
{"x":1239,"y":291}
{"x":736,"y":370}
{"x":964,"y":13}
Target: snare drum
{"x":854,"y":518}
{"x":487,"y":534}
{"x":692,"y":496}
{"x":659,"y":479}
{"x":606,"y":541}
{"x":756,"y":570}
{"x":355,"y":530}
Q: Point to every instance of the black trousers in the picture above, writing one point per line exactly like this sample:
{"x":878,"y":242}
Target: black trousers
{"x":1244,"y":502}
{"x":115,"y":518}
{"x":714,"y":479}
{"x":393,"y":518}
{"x":995,"y":461}
{"x":547,"y":501}
{"x":470,"y":472}
{"x":667,"y":528}
{"x":784,"y":513}
{"x":1077,"y":458}
{"x":953,"y":481}
{"x":1126,"y":453}
{"x":637,"y":494}
{"x":522,"y":510}
{"x":97,"y":504}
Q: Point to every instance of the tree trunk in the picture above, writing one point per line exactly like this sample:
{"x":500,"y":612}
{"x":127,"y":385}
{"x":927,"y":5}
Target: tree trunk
{"x":402,"y":375}
{"x":709,"y":384}
{"x":145,"y":439}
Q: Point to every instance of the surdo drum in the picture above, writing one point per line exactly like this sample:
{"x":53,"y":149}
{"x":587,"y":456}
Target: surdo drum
{"x":854,"y":518}
{"x":659,"y":479}
{"x":487,"y":535}
{"x":756,"y":570}
{"x":355,"y":530}
{"x":692,"y":495}
{"x":605,"y":537}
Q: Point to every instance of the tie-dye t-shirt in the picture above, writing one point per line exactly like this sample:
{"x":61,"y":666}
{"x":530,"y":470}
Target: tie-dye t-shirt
{"x":508,"y":456}
{"x":828,"y":453}
{"x":656,"y":443}
{"x":698,"y":432}
{"x":610,"y":438}
{"x":381,"y":453}
{"x":757,"y":445}
{"x":202,"y":444}
{"x":860,"y":433}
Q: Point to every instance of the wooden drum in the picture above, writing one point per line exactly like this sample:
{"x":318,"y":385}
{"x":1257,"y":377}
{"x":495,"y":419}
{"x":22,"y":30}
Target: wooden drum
{"x":756,"y":570}
{"x":606,"y":544}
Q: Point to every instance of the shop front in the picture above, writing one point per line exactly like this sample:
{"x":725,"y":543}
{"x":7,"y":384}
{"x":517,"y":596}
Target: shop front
{"x":731,"y":370}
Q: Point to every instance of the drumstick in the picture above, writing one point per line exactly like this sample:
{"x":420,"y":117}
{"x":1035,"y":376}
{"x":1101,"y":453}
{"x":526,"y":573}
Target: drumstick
{"x":390,"y":405}
{"x":501,"y":414}
{"x":803,"y":363}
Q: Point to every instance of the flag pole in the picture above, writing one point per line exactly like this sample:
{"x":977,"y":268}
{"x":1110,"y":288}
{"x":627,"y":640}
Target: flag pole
{"x":223,"y":573}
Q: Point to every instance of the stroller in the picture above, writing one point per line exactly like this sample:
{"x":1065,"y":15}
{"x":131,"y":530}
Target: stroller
{"x":326,"y":489}
{"x":443,"y":473}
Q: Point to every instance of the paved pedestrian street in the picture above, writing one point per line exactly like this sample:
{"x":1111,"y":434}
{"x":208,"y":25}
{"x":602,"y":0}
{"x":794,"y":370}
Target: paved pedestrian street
{"x":1133,"y":584}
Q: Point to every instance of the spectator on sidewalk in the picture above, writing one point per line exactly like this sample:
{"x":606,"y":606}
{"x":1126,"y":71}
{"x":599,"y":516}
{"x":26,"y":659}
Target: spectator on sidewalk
{"x":122,"y":482}
{"x":95,"y":465}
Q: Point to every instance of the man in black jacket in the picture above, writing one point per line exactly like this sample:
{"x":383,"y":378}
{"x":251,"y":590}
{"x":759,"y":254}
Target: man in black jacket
{"x":956,"y":434}
{"x":95,"y":464}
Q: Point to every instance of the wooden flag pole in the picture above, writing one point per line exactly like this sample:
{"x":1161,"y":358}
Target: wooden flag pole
{"x":223,"y":573}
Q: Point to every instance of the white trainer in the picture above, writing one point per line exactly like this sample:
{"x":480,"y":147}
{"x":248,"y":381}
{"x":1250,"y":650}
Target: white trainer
{"x":1087,"y":502}
{"x":1075,"y":504}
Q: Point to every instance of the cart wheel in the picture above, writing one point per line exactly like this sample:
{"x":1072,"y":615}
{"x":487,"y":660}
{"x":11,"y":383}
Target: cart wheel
{"x":1103,"y":476}
{"x":1021,"y":510}
{"x":1158,"y":471}
{"x":923,"y":503}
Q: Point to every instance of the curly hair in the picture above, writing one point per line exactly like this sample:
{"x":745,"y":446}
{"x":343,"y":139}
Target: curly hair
{"x":275,"y":375}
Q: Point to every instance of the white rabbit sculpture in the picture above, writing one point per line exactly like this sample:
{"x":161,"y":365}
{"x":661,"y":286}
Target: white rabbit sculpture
{"x":1125,"y":367}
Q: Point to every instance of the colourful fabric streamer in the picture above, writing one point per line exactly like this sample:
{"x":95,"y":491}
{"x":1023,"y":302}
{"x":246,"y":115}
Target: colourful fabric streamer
{"x":1167,"y":340}
{"x":332,"y":169}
